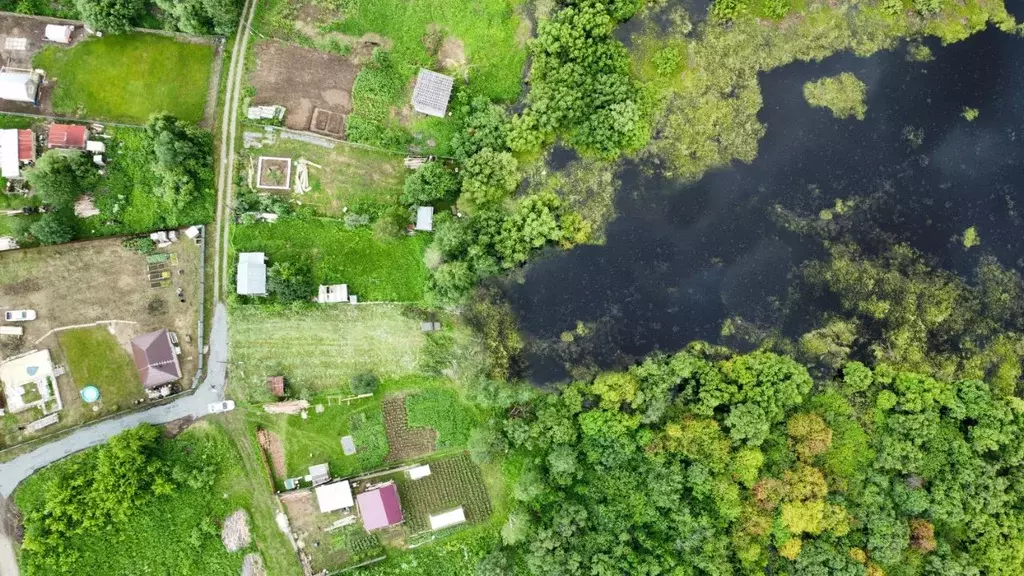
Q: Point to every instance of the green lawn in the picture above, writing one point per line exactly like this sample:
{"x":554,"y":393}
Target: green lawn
{"x":174,"y":534}
{"x":374,"y":270}
{"x":321,"y":348}
{"x":94,"y":357}
{"x":350,"y":176}
{"x":129,"y":77}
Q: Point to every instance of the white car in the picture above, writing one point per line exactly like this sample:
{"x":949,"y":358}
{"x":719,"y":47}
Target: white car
{"x":218,"y":407}
{"x":19,"y":315}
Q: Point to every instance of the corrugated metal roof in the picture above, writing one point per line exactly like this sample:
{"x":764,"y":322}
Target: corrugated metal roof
{"x":380,"y":508}
{"x":432,"y":92}
{"x":335,"y":496}
{"x":155,"y":359}
{"x":252,"y":274}
{"x":425,"y":218}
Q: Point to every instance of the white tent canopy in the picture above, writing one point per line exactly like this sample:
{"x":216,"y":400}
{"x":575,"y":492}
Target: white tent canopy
{"x":59,"y":33}
{"x":335,"y":496}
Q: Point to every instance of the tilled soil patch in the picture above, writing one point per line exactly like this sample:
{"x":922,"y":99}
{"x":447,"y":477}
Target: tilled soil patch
{"x":404,"y":442}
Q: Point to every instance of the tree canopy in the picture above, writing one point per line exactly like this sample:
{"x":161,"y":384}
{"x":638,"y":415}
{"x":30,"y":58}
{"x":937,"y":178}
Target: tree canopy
{"x":61,"y":177}
{"x":110,"y":16}
{"x":183,"y":159}
{"x":700,"y":463}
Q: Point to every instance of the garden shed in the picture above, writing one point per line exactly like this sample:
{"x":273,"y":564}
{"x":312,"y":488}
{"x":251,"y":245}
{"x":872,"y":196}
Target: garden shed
{"x":425,"y":218}
{"x":156,"y":359}
{"x":20,"y":85}
{"x":252,"y":274}
{"x":432,"y":92}
{"x":380,"y":508}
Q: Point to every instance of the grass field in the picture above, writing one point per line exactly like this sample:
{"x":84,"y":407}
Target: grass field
{"x":127,"y":78}
{"x":350,"y":175}
{"x":94,"y":357}
{"x":174,"y":534}
{"x":374,"y":270}
{"x":320,"y":349}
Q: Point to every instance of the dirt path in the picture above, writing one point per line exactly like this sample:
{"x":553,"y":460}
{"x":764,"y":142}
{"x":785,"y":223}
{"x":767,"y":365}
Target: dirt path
{"x":8,"y":528}
{"x":214,"y":88}
{"x":228,"y":131}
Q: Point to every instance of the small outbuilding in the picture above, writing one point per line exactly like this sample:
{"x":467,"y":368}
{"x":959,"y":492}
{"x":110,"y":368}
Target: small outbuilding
{"x":319,"y":474}
{"x":20,"y":85}
{"x":425,"y":218}
{"x":59,"y":33}
{"x":275,"y":385}
{"x":156,"y":359}
{"x":67,"y":136}
{"x":252,"y":274}
{"x":10,"y":163}
{"x":332,"y":294}
{"x":419,"y":472}
{"x":333,"y":497}
{"x":380,"y":508}
{"x":432,"y":92}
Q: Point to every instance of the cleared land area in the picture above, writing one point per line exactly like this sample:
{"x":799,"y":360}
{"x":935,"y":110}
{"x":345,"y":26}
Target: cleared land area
{"x":129,"y":77}
{"x":350,"y":176}
{"x":375,"y":270}
{"x":320,"y":349}
{"x":302,"y":80}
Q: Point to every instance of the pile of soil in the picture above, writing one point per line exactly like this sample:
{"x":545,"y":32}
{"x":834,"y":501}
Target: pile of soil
{"x":253,"y":565}
{"x":235,"y":533}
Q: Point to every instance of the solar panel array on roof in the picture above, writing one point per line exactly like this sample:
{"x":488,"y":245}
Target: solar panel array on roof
{"x":432,"y":91}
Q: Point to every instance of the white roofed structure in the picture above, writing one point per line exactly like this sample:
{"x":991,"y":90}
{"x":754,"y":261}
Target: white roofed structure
{"x":19,"y":85}
{"x":425,"y":218}
{"x":332,"y":294}
{"x":447,"y":519}
{"x":432,"y":92}
{"x":252,"y":274}
{"x":59,"y":33}
{"x":332,"y":497}
{"x":419,"y":472}
{"x":10,"y":167}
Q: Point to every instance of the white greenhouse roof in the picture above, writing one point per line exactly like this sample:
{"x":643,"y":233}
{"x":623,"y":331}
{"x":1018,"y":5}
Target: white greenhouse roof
{"x":419,"y":472}
{"x":447,"y":519}
{"x":10,"y":167}
{"x":425,"y":218}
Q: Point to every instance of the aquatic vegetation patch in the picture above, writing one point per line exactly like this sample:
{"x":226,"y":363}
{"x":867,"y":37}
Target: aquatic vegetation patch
{"x":843,"y":94}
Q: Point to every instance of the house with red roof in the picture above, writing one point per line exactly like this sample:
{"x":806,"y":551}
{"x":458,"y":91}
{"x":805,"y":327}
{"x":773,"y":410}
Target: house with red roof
{"x":380,"y":508}
{"x":67,"y":136}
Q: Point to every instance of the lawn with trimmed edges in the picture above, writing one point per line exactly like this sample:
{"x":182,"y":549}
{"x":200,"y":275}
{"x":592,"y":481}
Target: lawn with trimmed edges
{"x":375,"y":271}
{"x":94,"y":357}
{"x":127,"y":78}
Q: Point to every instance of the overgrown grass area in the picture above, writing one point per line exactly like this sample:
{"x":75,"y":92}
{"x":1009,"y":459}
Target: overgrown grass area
{"x":319,"y":349}
{"x":94,"y":357}
{"x":441,"y":409}
{"x":126,"y":196}
{"x":375,"y":270}
{"x":350,"y":176}
{"x":176,"y":533}
{"x":129,"y":77}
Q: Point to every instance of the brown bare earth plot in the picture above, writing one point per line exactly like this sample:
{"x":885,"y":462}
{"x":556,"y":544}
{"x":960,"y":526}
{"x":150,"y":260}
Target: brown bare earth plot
{"x":404,"y":442}
{"x":302,"y":80}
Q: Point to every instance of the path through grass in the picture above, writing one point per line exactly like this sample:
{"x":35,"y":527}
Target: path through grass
{"x":129,"y":77}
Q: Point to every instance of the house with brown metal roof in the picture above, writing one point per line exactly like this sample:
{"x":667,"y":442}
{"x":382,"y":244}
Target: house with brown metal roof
{"x":380,"y":508}
{"x":156,"y":359}
{"x":67,"y":136}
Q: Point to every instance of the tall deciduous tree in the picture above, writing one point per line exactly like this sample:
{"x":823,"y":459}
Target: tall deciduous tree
{"x":110,"y":16}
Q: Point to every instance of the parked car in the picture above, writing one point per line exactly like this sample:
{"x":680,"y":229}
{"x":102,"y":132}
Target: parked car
{"x":19,"y":315}
{"x":218,"y":407}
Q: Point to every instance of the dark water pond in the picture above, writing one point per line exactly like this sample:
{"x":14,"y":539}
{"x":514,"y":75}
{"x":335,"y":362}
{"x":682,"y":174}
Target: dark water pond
{"x":680,"y":259}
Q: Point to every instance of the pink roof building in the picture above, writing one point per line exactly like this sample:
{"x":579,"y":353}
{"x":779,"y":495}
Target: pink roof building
{"x":380,"y":508}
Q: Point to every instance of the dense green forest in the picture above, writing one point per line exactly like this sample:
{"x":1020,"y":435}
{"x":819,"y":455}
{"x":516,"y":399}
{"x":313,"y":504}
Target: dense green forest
{"x":708,"y":463}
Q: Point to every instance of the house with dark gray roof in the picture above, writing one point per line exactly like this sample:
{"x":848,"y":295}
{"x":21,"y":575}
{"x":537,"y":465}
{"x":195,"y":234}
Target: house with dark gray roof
{"x":155,"y":359}
{"x":432,"y":92}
